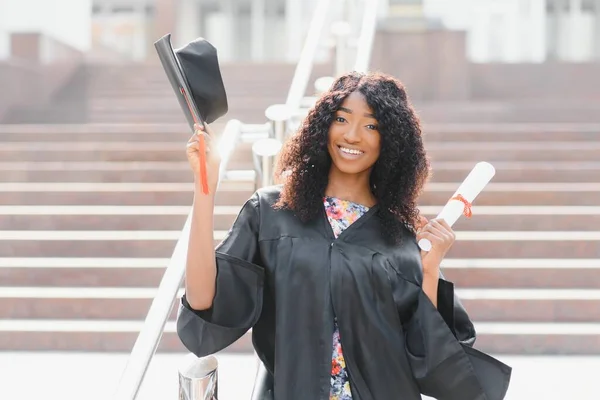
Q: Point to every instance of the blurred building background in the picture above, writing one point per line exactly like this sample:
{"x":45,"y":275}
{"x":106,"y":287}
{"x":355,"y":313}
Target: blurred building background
{"x":95,"y":188}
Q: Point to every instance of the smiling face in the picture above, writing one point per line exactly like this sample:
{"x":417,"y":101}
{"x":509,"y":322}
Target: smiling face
{"x":354,"y":140}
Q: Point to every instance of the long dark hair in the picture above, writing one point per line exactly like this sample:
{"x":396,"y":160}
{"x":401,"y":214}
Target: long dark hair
{"x":398,"y":176}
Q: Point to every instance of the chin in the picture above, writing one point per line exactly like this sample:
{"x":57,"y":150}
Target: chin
{"x":352,"y":168}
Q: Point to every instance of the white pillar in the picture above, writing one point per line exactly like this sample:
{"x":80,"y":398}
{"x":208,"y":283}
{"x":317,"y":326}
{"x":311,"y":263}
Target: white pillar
{"x":293,"y":25}
{"x":384,"y":9}
{"x":258,"y":29}
{"x":220,"y":28}
{"x":597,"y":30}
{"x":531,"y":37}
{"x":575,"y":17}
{"x":4,"y":33}
{"x":188,"y":21}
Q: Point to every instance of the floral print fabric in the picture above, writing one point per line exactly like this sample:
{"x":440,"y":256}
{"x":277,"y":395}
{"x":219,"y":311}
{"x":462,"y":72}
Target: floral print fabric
{"x":341,"y":214}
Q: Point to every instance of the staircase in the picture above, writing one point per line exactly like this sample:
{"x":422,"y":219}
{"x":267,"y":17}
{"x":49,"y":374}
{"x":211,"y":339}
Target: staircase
{"x":90,"y":214}
{"x":128,"y":94}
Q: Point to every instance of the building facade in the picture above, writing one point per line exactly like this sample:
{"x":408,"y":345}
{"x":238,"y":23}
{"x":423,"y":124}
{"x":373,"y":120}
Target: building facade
{"x":274,"y":30}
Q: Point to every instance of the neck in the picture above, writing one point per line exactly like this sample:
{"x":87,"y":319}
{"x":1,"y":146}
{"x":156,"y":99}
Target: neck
{"x":351,"y":187}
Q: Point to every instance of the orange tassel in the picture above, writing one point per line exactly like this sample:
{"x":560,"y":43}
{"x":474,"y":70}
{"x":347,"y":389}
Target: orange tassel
{"x":201,"y":141}
{"x":203,"y":172}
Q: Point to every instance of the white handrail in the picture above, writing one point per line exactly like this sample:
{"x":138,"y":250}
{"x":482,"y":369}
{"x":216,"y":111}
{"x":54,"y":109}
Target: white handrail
{"x":367,"y":36}
{"x":160,"y":309}
{"x":307,"y":57}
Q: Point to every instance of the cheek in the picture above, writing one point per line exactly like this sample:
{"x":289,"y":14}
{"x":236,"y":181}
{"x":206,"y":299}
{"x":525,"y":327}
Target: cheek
{"x":375,"y":144}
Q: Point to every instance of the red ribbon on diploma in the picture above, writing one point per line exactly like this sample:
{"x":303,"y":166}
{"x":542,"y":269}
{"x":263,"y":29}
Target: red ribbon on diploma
{"x":467,"y":212}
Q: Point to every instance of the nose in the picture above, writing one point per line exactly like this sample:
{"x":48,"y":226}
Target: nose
{"x":352,"y":135}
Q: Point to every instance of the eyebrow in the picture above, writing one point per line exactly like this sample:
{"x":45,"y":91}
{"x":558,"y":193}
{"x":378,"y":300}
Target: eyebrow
{"x":349,"y":111}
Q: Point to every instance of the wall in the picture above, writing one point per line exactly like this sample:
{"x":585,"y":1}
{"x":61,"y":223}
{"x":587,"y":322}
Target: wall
{"x":67,"y":21}
{"x":434,"y":66}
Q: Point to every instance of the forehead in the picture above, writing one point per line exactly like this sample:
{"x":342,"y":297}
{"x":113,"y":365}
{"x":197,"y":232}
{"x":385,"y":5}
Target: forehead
{"x":356,"y":101}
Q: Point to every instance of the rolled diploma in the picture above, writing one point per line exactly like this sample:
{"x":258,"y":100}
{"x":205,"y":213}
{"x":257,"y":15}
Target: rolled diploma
{"x":473,"y":184}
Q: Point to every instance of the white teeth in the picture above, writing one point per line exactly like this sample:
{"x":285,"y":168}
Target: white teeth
{"x":350,"y":151}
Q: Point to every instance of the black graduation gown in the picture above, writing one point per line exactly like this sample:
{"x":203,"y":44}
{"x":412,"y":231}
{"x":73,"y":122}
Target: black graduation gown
{"x":287,"y":280}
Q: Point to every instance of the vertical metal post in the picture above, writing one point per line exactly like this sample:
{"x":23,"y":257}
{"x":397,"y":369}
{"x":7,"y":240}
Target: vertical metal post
{"x":258,"y":18}
{"x":278,"y":115}
{"x":198,"y":378}
{"x":264,"y":152}
{"x":323,"y":84}
{"x":341,"y":32}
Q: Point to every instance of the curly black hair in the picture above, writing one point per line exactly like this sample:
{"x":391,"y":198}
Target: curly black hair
{"x":399,"y":174}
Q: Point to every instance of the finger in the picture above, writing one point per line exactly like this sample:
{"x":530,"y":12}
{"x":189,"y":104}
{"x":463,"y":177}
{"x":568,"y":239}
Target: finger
{"x":422,"y":222}
{"x":206,"y":136}
{"x":199,"y":127}
{"x":208,"y":130}
{"x":443,"y":228}
{"x":433,"y":238}
{"x":195,"y":146}
{"x":434,"y":229}
{"x":445,"y":224}
{"x":447,"y":227}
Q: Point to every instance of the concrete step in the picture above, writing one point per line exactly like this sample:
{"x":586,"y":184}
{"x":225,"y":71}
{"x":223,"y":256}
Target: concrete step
{"x":532,"y":305}
{"x":172,"y":151}
{"x":178,"y":171}
{"x":91,"y":243}
{"x":87,"y":303}
{"x":106,"y":303}
{"x":477,"y":244}
{"x":433,"y":132}
{"x":82,"y":272}
{"x":74,"y":217}
{"x":119,"y":336}
{"x":237,"y":192}
{"x":523,"y":273}
{"x":520,"y":194}
{"x":521,"y":171}
{"x":508,"y":151}
{"x":152,"y":194}
{"x":510,"y":132}
{"x":83,"y":132}
{"x":466,"y":273}
{"x":109,"y":151}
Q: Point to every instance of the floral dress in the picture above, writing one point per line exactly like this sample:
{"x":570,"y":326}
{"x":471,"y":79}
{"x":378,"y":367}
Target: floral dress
{"x":341,"y":214}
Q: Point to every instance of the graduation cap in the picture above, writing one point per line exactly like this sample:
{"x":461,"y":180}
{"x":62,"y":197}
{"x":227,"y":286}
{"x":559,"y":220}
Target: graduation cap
{"x":194,"y":74}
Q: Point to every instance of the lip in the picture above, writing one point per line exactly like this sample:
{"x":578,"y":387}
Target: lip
{"x":347,"y":155}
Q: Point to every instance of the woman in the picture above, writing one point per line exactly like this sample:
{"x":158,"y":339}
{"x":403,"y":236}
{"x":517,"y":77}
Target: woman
{"x":325,"y":268}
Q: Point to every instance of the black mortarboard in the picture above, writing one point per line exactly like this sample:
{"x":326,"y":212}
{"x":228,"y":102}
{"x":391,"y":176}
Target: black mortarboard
{"x":194,"y":74}
{"x":194,"y":68}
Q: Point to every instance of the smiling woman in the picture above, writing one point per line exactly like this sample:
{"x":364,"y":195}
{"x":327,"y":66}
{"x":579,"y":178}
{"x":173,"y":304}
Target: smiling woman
{"x":326,"y":269}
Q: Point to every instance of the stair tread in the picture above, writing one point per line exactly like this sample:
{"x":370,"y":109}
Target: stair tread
{"x":219,"y":234}
{"x":109,"y":210}
{"x":150,"y":292}
{"x":82,"y":262}
{"x":117,"y":326}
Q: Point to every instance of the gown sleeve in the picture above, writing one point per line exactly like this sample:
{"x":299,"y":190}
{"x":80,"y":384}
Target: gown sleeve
{"x":454,"y":314}
{"x":237,"y":304}
{"x":439,"y":345}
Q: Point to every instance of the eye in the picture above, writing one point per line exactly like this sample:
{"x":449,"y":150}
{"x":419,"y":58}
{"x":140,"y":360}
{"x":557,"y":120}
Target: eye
{"x":372,"y":127}
{"x":340,"y":119}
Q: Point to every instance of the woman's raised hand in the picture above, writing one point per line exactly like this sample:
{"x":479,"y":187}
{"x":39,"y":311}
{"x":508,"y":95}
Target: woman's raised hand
{"x":212,"y":157}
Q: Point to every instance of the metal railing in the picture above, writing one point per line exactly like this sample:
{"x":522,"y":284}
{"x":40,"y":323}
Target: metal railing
{"x":160,"y":309}
{"x":366,"y":36}
{"x":307,"y":57}
{"x":345,"y":39}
